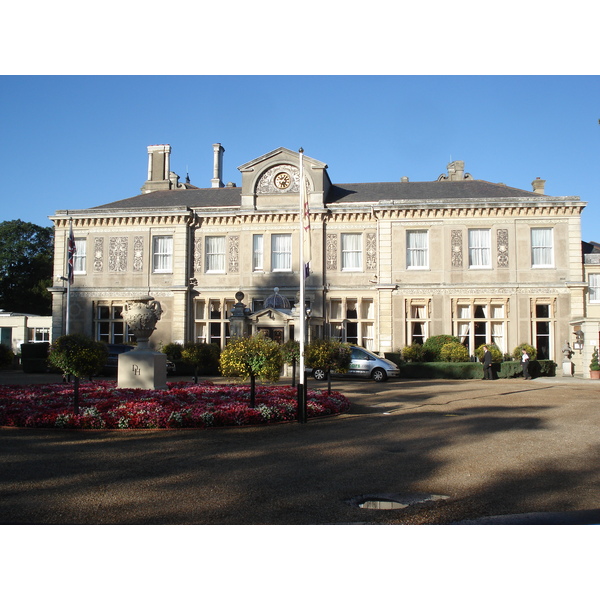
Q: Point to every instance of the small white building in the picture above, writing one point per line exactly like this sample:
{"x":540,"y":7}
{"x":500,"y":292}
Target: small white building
{"x":18,"y":328}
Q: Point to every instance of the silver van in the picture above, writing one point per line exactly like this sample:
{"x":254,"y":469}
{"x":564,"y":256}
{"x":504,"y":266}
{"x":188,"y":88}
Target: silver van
{"x":363,"y":363}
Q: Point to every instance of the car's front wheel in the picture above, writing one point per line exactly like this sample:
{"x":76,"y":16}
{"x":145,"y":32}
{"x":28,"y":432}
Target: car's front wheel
{"x":319,"y":374}
{"x":378,"y":375}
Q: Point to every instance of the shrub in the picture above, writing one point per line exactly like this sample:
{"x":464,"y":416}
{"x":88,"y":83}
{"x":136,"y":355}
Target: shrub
{"x":595,"y":365}
{"x":413,"y":353}
{"x":496,"y":352}
{"x":78,"y":355}
{"x":454,"y":352}
{"x":173,"y":351}
{"x":6,"y":356}
{"x":433,"y":346}
{"x":529,"y":349}
{"x":200,"y":356}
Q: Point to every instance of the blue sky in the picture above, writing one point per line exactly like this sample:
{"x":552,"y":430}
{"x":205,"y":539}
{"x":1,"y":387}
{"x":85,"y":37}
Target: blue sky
{"x":73,"y":142}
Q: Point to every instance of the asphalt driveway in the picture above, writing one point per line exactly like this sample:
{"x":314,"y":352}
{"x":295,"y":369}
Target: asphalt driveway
{"x":448,"y":451}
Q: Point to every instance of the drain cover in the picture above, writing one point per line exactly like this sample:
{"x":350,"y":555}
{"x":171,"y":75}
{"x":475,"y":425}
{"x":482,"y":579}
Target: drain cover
{"x":392,"y":501}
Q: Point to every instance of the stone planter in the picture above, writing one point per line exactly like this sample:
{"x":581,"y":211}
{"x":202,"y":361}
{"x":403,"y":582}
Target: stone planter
{"x":594,"y":374}
{"x":141,"y":315}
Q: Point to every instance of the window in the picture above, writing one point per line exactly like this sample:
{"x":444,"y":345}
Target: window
{"x":110,"y":326}
{"x":542,"y":254}
{"x":211,"y":320}
{"x":257,"y":253}
{"x":543,"y":326}
{"x":352,"y":320}
{"x":351,"y":251}
{"x":417,"y":323}
{"x":417,"y":252}
{"x":162,"y":254}
{"x":38,"y":334}
{"x":594,"y":283}
{"x":80,"y":253}
{"x":480,"y":249}
{"x":215,"y":254}
{"x":478,"y":322}
{"x":281,"y":252}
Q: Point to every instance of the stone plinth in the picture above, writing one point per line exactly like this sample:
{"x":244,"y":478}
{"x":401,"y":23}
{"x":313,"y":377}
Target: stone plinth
{"x":567,"y":368}
{"x":142,"y":369}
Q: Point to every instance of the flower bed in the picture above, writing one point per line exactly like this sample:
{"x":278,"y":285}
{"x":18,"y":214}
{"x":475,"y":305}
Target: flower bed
{"x":104,"y":406}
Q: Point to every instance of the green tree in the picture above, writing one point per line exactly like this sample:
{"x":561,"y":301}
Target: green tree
{"x":413,"y":353}
{"x":496,"y":352}
{"x":26,"y":263}
{"x":433,"y":346}
{"x":454,"y":352}
{"x":200,"y":355}
{"x":252,"y":357}
{"x":531,"y":351}
{"x":6,"y":355}
{"x":78,"y":355}
{"x":324,"y":356}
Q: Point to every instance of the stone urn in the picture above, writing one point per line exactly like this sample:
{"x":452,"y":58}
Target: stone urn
{"x":141,"y":315}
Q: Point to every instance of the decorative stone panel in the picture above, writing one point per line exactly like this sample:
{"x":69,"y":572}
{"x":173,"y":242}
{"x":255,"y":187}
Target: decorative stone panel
{"x":331,"y":252}
{"x":117,"y":254}
{"x":98,"y":254}
{"x":457,"y":248}
{"x":502,"y":248}
{"x":234,"y":253}
{"x":371,"y":251}
{"x":280,"y":179}
{"x":198,"y":255}
{"x":138,"y":253}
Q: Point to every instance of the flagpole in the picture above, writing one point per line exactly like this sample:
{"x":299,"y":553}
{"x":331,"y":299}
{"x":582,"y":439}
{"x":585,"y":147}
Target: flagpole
{"x":302,"y":307}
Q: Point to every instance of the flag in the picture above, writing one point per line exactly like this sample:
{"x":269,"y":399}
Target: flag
{"x":305,"y":223}
{"x":70,"y":253}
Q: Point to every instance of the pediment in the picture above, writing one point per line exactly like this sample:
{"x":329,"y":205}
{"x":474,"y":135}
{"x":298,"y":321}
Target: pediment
{"x":279,"y":156}
{"x":271,"y":315}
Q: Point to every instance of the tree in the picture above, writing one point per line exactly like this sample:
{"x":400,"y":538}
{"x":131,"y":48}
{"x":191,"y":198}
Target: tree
{"x":454,"y":352}
{"x":26,"y":263}
{"x":252,"y":357}
{"x":77,"y":355}
{"x":433,"y":346}
{"x":200,"y":355}
{"x":327,"y":356}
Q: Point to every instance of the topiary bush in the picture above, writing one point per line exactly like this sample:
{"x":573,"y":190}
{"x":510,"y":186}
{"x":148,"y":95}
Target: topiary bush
{"x":6,"y":356}
{"x":529,"y":349}
{"x":496,"y":352}
{"x":454,"y":352}
{"x":433,"y":346}
{"x":413,"y":353}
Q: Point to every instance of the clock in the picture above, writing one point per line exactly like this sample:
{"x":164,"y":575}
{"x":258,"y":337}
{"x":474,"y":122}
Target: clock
{"x":282,"y":181}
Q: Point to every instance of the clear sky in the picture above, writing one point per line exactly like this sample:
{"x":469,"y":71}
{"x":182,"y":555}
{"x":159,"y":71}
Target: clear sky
{"x":74,"y":142}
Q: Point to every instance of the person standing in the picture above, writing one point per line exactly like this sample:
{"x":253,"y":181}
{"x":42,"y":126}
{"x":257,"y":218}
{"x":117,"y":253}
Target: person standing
{"x":487,"y":363}
{"x":525,"y":363}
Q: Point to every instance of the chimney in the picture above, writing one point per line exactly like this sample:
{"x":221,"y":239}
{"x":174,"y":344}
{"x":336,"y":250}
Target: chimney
{"x":159,"y":166}
{"x":538,"y":185}
{"x":217,"y":180}
{"x":456,"y":170}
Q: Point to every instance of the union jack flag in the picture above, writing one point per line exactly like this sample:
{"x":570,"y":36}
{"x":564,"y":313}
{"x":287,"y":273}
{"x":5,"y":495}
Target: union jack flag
{"x":70,"y":253}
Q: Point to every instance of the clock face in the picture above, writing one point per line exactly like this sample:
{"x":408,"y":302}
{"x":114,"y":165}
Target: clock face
{"x":282,"y":181}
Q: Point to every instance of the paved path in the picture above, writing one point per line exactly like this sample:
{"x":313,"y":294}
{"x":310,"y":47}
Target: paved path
{"x":492,"y":449}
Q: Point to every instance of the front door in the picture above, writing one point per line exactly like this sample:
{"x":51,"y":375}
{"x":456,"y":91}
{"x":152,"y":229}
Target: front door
{"x":274,"y":333}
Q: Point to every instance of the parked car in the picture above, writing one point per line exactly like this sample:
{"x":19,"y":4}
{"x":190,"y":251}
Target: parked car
{"x":363,"y":363}
{"x":112,"y":363}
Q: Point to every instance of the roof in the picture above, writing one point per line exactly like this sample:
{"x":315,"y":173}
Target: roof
{"x":345,"y":192}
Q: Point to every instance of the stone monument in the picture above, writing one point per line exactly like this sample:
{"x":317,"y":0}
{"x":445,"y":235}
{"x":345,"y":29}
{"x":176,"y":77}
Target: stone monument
{"x":142,"y":367}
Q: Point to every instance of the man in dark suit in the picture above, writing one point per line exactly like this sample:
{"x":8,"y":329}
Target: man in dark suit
{"x":487,"y":363}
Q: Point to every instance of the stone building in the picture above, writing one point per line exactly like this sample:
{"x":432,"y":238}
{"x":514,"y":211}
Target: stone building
{"x":391,"y":263}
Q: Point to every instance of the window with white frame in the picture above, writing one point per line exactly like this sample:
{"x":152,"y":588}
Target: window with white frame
{"x":478,"y":322}
{"x":38,"y":334}
{"x":211,"y":321}
{"x":257,"y":252}
{"x":162,"y":254}
{"x":542,"y":321}
{"x":542,"y":253}
{"x":281,"y":252}
{"x":110,"y":326}
{"x":352,"y":320}
{"x":417,"y":322}
{"x":351,"y":251}
{"x":417,"y":249}
{"x":80,"y":254}
{"x":214,"y":251}
{"x":480,"y":248}
{"x":594,"y":287}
